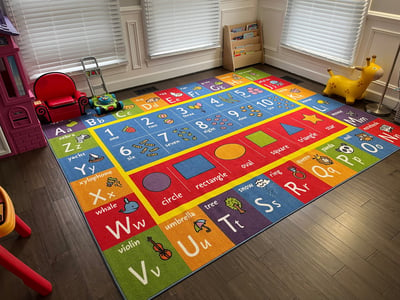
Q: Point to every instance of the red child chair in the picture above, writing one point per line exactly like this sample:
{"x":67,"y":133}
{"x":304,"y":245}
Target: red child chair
{"x":8,"y":222}
{"x":57,"y":98}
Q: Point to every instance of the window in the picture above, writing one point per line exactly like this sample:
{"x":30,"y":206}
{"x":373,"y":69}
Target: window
{"x":16,"y":75}
{"x":180,"y":26}
{"x":324,"y":28}
{"x":55,"y":35}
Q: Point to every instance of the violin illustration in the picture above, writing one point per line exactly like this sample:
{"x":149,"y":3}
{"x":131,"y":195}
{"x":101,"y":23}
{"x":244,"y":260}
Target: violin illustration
{"x":164,"y":254}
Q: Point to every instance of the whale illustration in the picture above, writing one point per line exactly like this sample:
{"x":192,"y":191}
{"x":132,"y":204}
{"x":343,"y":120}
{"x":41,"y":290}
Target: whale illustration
{"x":129,"y":207}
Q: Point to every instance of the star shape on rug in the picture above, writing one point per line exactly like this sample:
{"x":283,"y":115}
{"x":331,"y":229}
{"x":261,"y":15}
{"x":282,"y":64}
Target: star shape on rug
{"x":312,"y":118}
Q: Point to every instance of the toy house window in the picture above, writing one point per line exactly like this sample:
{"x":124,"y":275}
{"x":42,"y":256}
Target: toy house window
{"x":19,"y":117}
{"x":4,"y":147}
{"x":16,"y":75}
{"x":11,"y":77}
{"x":181,"y":26}
{"x":328,"y":29}
{"x":55,"y":35}
{"x":5,"y":76}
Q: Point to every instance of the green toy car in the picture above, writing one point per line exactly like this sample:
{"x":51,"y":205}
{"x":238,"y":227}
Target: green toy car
{"x":105,"y":103}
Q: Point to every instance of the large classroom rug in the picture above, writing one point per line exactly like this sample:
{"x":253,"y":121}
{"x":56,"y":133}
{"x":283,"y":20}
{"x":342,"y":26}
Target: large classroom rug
{"x":182,"y":176}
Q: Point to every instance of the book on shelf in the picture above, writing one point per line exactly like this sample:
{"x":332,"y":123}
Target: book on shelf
{"x":238,"y":29}
{"x":248,"y":35}
{"x":252,"y":26}
{"x":238,"y":52}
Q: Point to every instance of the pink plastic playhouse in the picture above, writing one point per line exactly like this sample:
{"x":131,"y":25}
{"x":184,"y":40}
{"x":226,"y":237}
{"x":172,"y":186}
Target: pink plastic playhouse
{"x":20,"y":130}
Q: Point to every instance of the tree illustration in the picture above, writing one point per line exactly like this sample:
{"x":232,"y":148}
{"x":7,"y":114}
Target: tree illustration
{"x":235,"y":204}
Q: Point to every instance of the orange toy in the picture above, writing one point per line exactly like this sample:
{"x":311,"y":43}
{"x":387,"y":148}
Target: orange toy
{"x":353,"y":89}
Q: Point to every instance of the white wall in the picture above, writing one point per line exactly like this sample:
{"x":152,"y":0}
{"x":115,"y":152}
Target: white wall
{"x":141,"y":70}
{"x":380,"y":36}
{"x":386,"y":6}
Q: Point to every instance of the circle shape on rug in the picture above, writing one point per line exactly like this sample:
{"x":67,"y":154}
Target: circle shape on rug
{"x":156,"y":182}
{"x":230,"y":151}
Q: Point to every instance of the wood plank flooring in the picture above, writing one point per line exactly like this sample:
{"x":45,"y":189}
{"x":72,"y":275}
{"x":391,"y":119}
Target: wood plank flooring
{"x":345,"y":245}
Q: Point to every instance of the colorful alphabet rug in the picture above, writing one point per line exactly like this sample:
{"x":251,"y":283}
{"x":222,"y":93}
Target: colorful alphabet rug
{"x":181,"y":176}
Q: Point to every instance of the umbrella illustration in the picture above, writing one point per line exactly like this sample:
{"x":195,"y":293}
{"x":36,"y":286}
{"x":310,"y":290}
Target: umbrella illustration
{"x":200,"y":224}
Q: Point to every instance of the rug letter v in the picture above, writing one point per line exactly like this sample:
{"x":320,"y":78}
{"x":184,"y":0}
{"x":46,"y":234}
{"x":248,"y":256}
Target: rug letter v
{"x":143,"y":279}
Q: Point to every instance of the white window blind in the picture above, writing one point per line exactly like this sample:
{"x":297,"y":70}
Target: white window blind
{"x":55,"y":35}
{"x":324,"y":28}
{"x":180,"y":26}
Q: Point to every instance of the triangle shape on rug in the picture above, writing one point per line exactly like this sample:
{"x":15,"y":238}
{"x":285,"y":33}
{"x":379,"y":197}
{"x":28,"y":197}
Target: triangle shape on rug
{"x":290,"y":129}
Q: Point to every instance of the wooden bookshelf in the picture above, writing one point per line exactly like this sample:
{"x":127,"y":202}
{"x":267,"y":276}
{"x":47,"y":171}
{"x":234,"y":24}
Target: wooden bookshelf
{"x":243,"y":45}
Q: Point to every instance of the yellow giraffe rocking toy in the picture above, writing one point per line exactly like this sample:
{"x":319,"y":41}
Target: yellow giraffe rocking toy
{"x":353,"y":89}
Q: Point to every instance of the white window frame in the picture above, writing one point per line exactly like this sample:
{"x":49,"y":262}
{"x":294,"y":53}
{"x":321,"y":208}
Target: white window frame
{"x":327,"y":29}
{"x":180,"y":26}
{"x":56,"y":34}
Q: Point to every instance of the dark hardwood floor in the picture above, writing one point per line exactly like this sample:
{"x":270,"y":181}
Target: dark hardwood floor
{"x":344,"y":245}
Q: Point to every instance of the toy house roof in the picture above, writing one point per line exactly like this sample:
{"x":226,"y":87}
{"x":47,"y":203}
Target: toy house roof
{"x":6,"y":27}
